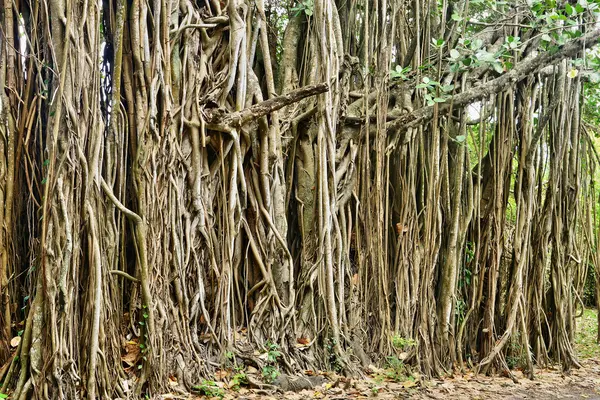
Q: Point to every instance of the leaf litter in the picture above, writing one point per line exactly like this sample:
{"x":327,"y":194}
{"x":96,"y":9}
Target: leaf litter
{"x":549,"y":383}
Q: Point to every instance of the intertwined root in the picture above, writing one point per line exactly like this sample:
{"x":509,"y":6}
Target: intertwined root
{"x":192,"y":181}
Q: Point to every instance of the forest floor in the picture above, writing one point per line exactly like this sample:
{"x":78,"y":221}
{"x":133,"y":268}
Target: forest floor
{"x":549,"y":383}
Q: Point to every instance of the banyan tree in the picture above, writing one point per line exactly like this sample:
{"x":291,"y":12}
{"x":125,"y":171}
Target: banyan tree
{"x":203,"y":180}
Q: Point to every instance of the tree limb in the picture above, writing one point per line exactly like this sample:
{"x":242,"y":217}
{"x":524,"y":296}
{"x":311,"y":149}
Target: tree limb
{"x":522,"y":70}
{"x":265,"y":107}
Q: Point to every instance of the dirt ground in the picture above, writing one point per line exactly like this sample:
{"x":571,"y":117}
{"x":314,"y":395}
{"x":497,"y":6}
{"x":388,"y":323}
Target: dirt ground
{"x":549,"y":383}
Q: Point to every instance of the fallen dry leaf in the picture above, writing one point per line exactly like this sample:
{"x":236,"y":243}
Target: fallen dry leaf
{"x":132,"y":352}
{"x":303,"y":341}
{"x":221,"y":374}
{"x":15,"y":341}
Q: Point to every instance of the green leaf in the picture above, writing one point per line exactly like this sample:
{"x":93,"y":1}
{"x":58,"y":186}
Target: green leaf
{"x":569,"y":9}
{"x":498,"y":67}
{"x":460,"y":138}
{"x":457,"y":17}
{"x":546,"y":37}
{"x":421,"y":86}
{"x":437,"y":42}
{"x":454,"y":54}
{"x":3,"y":396}
{"x":426,"y":80}
{"x":447,"y":88}
{"x":476,"y":44}
{"x":439,"y":100}
{"x":486,"y":56}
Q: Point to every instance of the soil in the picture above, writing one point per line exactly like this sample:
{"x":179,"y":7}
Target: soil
{"x":549,"y":383}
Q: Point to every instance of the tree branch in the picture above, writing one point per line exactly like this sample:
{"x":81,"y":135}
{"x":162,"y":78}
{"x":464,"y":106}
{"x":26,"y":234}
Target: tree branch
{"x":266,"y":107}
{"x":522,"y":70}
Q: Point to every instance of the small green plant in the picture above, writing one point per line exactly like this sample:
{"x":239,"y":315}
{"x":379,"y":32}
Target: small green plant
{"x":306,"y":6}
{"x":3,"y":396}
{"x":229,"y":355}
{"x":144,"y":343}
{"x":433,"y":95}
{"x":402,"y":343}
{"x":400,"y":72}
{"x":395,"y":371}
{"x":334,"y":360}
{"x":272,"y":352}
{"x":240,"y":378}
{"x":515,"y":354}
{"x":269,"y":373}
{"x":438,"y":43}
{"x":210,"y":389}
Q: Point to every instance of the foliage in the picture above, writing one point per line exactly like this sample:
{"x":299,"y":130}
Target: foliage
{"x":586,"y":343}
{"x":402,"y":343}
{"x":239,"y":378}
{"x":435,"y":92}
{"x":210,"y":389}
{"x":400,"y":73}
{"x":589,"y":289}
{"x":515,"y":356}
{"x":334,"y":361}
{"x":396,"y":370}
{"x":269,"y":371}
{"x":305,"y":6}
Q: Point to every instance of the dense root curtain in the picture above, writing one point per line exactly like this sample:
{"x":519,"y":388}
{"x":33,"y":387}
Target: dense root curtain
{"x":190,"y":182}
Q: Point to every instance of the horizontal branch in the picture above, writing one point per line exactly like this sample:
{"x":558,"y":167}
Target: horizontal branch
{"x":521,"y":71}
{"x":268,"y":106}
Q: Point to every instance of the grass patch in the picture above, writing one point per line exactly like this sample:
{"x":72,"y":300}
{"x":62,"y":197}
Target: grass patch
{"x":587,"y":333}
